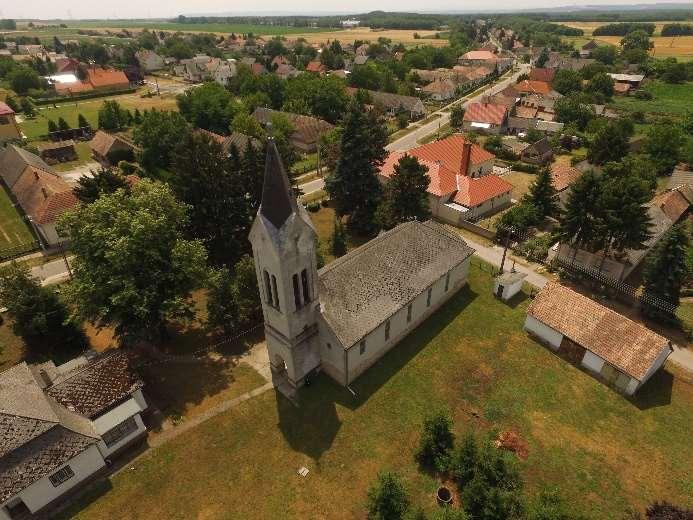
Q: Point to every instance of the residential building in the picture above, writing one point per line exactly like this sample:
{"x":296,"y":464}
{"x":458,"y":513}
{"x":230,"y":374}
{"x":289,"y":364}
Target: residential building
{"x":307,"y":129}
{"x":150,"y":61}
{"x":441,"y":90}
{"x":107,"y":79}
{"x":558,"y":61}
{"x":485,"y":118}
{"x":237,"y":139}
{"x":462,"y":186}
{"x":681,"y":176}
{"x":316,"y":67}
{"x":562,"y":178}
{"x":615,"y":349}
{"x":533,"y":87}
{"x":286,"y":71}
{"x":477,"y":58}
{"x":542,"y":74}
{"x":31,"y":50}
{"x":350,"y":24}
{"x":520,"y":125}
{"x":9,"y":129}
{"x":42,"y":195}
{"x":343,"y":318}
{"x":360,"y":59}
{"x":550,"y":127}
{"x":632,"y":80}
{"x":393,"y":104}
{"x":586,"y":49}
{"x":514,"y":146}
{"x":61,"y":424}
{"x":110,"y":149}
{"x":538,"y":153}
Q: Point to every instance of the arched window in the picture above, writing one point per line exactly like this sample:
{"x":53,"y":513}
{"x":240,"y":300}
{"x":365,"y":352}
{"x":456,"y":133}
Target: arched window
{"x":275,"y":294}
{"x":304,"y":283}
{"x":297,"y":292}
{"x":268,"y":288}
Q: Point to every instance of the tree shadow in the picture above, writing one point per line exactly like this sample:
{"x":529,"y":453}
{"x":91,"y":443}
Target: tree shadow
{"x":518,"y":299}
{"x":655,"y":392}
{"x":79,"y":501}
{"x":311,"y":424}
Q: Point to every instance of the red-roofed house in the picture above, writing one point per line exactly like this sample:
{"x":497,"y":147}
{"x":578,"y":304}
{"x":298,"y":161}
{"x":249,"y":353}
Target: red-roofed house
{"x":316,"y":67}
{"x":9,"y":129}
{"x":485,"y":117}
{"x":533,"y":87}
{"x":107,"y":79}
{"x":461,"y":184}
{"x":477,"y":58}
{"x":545,"y":75}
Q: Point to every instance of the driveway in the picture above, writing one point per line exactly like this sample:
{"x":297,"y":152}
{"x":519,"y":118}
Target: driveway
{"x":410,"y":140}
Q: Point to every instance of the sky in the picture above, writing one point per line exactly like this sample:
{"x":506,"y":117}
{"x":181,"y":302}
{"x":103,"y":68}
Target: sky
{"x":75,"y":9}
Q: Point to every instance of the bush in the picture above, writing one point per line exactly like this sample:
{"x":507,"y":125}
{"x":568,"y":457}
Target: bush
{"x":325,"y":202}
{"x":575,"y":159}
{"x":536,"y":249}
{"x":387,"y":498}
{"x":524,"y":167}
{"x":313,"y":207}
{"x":436,"y":442}
{"x":643,"y":94}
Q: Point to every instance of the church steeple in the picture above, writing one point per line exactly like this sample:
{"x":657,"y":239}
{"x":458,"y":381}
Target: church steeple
{"x":278,"y":202}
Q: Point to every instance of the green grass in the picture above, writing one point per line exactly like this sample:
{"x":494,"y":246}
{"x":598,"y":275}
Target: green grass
{"x":83,"y":157}
{"x":307,"y":163}
{"x":603,"y":451}
{"x":14,"y":230}
{"x":667,"y":99}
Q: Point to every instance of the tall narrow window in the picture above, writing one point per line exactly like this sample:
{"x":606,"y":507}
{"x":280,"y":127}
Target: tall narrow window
{"x":387,"y":330}
{"x":268,"y":287}
{"x":447,"y":281}
{"x":297,"y":292}
{"x":275,"y":294}
{"x":409,"y":313}
{"x":304,"y":283}
{"x":428,"y":297}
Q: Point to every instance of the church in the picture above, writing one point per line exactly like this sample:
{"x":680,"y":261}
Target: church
{"x":344,"y":317}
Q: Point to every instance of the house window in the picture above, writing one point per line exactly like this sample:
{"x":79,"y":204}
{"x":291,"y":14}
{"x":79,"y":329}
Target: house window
{"x":297,"y":292}
{"x":447,"y":281}
{"x":119,"y":432}
{"x":387,"y":330}
{"x":329,"y":346}
{"x":304,"y":284}
{"x":275,"y":294}
{"x":362,"y":347}
{"x":428,"y":296}
{"x":268,"y":287}
{"x":409,"y":313}
{"x":62,"y":475}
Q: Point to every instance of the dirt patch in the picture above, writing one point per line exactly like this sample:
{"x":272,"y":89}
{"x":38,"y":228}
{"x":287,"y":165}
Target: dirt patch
{"x":510,"y":440}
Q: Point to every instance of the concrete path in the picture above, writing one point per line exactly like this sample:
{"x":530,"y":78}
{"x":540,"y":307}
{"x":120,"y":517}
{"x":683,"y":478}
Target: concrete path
{"x":312,"y":186}
{"x":51,"y":272}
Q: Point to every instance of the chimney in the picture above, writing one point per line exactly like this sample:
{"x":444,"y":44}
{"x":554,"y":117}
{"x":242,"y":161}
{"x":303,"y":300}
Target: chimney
{"x":466,"y":158}
{"x":45,"y":195}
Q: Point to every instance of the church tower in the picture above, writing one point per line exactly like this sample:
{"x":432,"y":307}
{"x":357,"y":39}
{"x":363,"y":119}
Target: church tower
{"x":284,"y":241}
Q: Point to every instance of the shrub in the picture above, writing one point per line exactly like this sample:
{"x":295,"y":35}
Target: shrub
{"x":536,"y":249}
{"x":313,"y":207}
{"x":387,"y":498}
{"x":643,"y":94}
{"x":436,"y":442}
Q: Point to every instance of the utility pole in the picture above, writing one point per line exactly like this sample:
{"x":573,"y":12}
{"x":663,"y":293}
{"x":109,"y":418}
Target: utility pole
{"x":62,"y":252}
{"x":505,"y":249}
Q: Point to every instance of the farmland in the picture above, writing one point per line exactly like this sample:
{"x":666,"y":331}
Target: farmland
{"x":666,"y":99}
{"x":365,"y":33}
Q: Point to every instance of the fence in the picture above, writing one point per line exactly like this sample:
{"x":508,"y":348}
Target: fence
{"x":13,"y":252}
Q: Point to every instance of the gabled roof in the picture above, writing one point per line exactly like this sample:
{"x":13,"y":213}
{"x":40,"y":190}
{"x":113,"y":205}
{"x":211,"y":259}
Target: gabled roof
{"x":521,"y":123}
{"x":440,"y":86}
{"x":315,"y":66}
{"x":475,"y":191}
{"x":100,"y":77}
{"x":5,"y":109}
{"x":103,"y":142}
{"x":479,"y":55}
{"x":590,"y":45}
{"x":306,"y":128}
{"x":43,"y":195}
{"x":365,"y":287}
{"x":449,"y":152}
{"x":540,"y":74}
{"x":485,"y":113}
{"x":391,"y":101}
{"x":623,"y":343}
{"x":541,"y":147}
{"x":14,"y":160}
{"x":681,"y":176}
{"x":541,"y":87}
{"x":563,"y":175}
{"x":526,"y":112}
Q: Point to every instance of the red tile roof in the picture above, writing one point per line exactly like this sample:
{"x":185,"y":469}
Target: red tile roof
{"x":43,"y":195}
{"x":526,"y":112}
{"x":315,"y":66}
{"x":99,"y":77}
{"x":5,"y":110}
{"x":545,"y":75}
{"x":479,"y":55}
{"x":475,"y":191}
{"x":449,"y":152}
{"x":542,"y":87}
{"x":563,"y":175}
{"x":485,"y":113}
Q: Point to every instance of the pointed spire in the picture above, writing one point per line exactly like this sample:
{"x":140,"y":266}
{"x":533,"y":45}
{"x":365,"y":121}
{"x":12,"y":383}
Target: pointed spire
{"x":278,"y":203}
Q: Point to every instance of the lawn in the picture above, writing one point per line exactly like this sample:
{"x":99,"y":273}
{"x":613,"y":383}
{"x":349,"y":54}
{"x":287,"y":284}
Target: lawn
{"x":667,"y":99}
{"x":83,"y":157}
{"x":12,"y":347}
{"x":603,"y":451}
{"x":14,"y":231}
{"x":89,"y":108}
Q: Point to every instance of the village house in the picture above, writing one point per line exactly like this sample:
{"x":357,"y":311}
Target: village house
{"x":520,"y":125}
{"x":538,"y":153}
{"x":542,"y":74}
{"x":558,"y":61}
{"x":625,"y":82}
{"x":440,"y":90}
{"x":562,"y":178}
{"x":97,"y":78}
{"x":286,"y":71}
{"x":343,"y":318}
{"x":149,"y":61}
{"x":9,"y":129}
{"x":586,"y":49}
{"x":533,"y":87}
{"x":236,"y":139}
{"x":31,"y":49}
{"x":316,"y":67}
{"x":664,"y":210}
{"x":42,"y":195}
{"x":61,"y":425}
{"x":462,"y":186}
{"x":478,"y":58}
{"x":485,"y":118}
{"x":110,"y":149}
{"x":393,"y":104}
{"x":307,"y":129}
{"x":617,"y":350}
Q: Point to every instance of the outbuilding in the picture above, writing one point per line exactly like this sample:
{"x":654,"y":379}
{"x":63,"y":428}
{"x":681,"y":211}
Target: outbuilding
{"x":507,"y":285}
{"x":616,"y":349}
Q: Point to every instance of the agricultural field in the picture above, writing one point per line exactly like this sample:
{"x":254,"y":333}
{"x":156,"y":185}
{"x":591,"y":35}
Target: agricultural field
{"x":667,"y":99}
{"x":604,"y":452}
{"x":405,"y":37}
{"x":588,"y":27}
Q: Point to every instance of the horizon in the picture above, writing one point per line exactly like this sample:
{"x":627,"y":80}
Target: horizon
{"x":156,"y":10}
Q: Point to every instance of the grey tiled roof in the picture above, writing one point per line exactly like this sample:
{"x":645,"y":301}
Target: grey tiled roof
{"x":362,"y":289}
{"x":92,"y":389}
{"x":277,"y":202}
{"x":14,"y":160}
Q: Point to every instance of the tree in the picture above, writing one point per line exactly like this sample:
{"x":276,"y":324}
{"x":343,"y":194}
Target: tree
{"x":22,"y":79}
{"x":112,"y":116}
{"x":436,"y":442}
{"x":465,"y":460}
{"x":104,"y":180}
{"x":603,"y":84}
{"x":543,"y":58}
{"x":28,"y":107}
{"x":450,"y":513}
{"x":353,"y":186}
{"x":83,"y":123}
{"x":38,"y":315}
{"x":457,"y":116}
{"x":663,"y":143}
{"x":541,"y":194}
{"x":406,"y":196}
{"x":566,"y":81}
{"x":387,"y":498}
{"x":63,"y":125}
{"x":572,"y":109}
{"x":246,"y":124}
{"x":666,"y":511}
{"x":518,"y":219}
{"x":210,"y":107}
{"x":52,"y":127}
{"x":338,"y":242}
{"x":605,"y":54}
{"x":12,"y":101}
{"x":549,"y":505}
{"x":133,"y":269}
{"x":636,"y":40}
{"x":666,"y":268}
{"x":252,"y":167}
{"x":609,"y":143}
{"x":204,"y":180}
{"x":158,"y":134}
{"x":580,"y":223}
{"x":137,"y":117}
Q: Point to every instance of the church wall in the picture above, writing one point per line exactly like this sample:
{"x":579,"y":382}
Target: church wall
{"x":377,"y":346}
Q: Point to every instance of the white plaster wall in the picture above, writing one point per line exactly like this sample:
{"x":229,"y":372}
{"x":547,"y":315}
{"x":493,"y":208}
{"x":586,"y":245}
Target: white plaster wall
{"x":114,"y":417}
{"x":592,"y":362}
{"x":509,"y":290}
{"x":138,"y":396}
{"x":659,"y":361}
{"x":633,"y":385}
{"x":42,"y":492}
{"x":545,"y":333}
{"x":108,"y":450}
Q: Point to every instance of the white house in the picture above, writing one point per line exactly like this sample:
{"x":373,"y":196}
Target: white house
{"x":61,"y":424}
{"x":344,"y":317}
{"x":618,"y":350}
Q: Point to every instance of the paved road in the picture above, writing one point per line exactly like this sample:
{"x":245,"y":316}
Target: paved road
{"x":312,"y":186}
{"x":54,"y":271}
{"x":410,"y":140}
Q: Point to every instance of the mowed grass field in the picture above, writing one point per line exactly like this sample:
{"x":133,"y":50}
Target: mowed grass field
{"x":14,"y":231}
{"x":667,"y":99}
{"x":604,"y":452}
